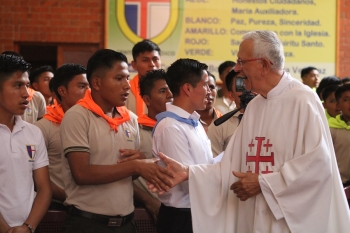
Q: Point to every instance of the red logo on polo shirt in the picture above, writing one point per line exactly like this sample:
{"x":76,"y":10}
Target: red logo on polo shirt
{"x":31,"y":149}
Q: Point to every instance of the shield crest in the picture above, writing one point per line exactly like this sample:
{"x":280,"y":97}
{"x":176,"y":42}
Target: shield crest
{"x":31,"y":149}
{"x":147,"y":19}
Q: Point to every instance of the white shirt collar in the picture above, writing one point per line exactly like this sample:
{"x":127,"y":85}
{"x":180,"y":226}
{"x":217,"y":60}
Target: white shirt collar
{"x":180,"y":112}
{"x":19,"y":124}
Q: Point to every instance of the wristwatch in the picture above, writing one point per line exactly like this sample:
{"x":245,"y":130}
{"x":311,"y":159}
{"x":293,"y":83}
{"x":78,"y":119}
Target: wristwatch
{"x":30,"y":227}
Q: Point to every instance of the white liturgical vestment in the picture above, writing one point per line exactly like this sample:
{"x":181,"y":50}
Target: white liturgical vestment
{"x":285,"y":138}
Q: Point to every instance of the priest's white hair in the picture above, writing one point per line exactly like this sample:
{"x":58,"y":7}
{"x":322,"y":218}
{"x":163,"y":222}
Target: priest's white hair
{"x":267,"y":45}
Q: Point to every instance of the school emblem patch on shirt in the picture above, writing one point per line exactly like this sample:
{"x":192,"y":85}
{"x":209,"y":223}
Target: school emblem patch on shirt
{"x":128,"y":134}
{"x":31,"y":150}
{"x":29,"y":111}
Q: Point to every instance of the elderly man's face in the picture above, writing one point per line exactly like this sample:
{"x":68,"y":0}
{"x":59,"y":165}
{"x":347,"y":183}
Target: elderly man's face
{"x":248,"y":65}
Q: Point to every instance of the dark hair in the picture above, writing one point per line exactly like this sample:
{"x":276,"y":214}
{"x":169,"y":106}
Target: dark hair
{"x":224,"y":65}
{"x":340,"y":91}
{"x":184,"y":71}
{"x":345,"y":80}
{"x":64,"y":75}
{"x":9,"y":64}
{"x":34,"y":75}
{"x":211,"y":75}
{"x":328,"y":91}
{"x":230,"y":78}
{"x":12,"y":53}
{"x":144,"y":46}
{"x":306,"y":71}
{"x":325,"y":82}
{"x":146,"y":82}
{"x":103,"y":59}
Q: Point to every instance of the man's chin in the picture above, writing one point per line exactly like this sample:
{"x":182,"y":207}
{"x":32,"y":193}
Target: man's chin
{"x":20,"y":112}
{"x":210,"y":104}
{"x":121,"y":104}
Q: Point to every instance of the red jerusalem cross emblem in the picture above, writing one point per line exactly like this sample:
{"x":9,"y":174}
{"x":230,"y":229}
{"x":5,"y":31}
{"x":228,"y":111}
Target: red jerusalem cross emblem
{"x":258,"y":158}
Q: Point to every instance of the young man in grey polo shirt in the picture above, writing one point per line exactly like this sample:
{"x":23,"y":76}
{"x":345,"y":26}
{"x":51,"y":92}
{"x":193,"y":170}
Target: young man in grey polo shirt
{"x":99,"y":189}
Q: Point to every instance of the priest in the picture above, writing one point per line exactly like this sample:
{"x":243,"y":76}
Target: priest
{"x":279,"y":172}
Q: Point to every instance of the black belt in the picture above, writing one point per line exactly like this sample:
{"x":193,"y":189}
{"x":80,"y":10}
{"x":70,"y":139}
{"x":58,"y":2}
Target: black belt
{"x":111,"y":221}
{"x":57,"y":206}
{"x":175,"y":209}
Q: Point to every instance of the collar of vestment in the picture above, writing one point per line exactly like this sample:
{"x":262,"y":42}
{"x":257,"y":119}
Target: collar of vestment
{"x":281,"y":87}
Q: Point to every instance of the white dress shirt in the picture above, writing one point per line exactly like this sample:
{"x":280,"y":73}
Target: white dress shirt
{"x":184,"y":143}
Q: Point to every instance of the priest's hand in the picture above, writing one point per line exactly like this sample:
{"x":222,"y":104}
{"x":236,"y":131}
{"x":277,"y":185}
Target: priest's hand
{"x":129,"y":154}
{"x":247,"y":186}
{"x":160,"y":177}
{"x":179,"y":170}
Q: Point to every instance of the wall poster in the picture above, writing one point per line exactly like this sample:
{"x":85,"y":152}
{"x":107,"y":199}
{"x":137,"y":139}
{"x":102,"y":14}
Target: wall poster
{"x":211,"y":30}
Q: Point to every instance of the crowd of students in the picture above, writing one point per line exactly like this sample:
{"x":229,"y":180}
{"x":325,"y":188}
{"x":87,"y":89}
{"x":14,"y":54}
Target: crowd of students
{"x":335,"y":96}
{"x":101,"y":135}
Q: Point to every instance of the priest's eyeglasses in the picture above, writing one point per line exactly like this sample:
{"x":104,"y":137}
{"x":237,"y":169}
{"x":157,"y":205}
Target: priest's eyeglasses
{"x":241,"y":62}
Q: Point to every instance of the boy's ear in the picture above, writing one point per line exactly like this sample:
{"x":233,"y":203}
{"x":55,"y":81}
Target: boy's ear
{"x":95,"y":83}
{"x":62,"y":91}
{"x":323,"y":105}
{"x":230,"y":94}
{"x":187,"y":88}
{"x":35,"y":85}
{"x":133,"y":64}
{"x":147,"y":100}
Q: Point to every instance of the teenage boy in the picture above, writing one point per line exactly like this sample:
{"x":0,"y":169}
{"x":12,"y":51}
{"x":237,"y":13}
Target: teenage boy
{"x":326,"y":82}
{"x":224,"y":101}
{"x":155,"y":93}
{"x":146,"y":55}
{"x":36,"y":107}
{"x":210,"y":113}
{"x":310,"y":77}
{"x":69,"y":84}
{"x":340,"y":130}
{"x":179,"y":134}
{"x":329,"y":102}
{"x":220,"y":135}
{"x":39,"y":81}
{"x":99,"y":189}
{"x":23,"y":156}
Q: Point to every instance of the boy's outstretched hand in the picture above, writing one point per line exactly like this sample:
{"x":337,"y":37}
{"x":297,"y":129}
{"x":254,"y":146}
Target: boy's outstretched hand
{"x":180,"y":171}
